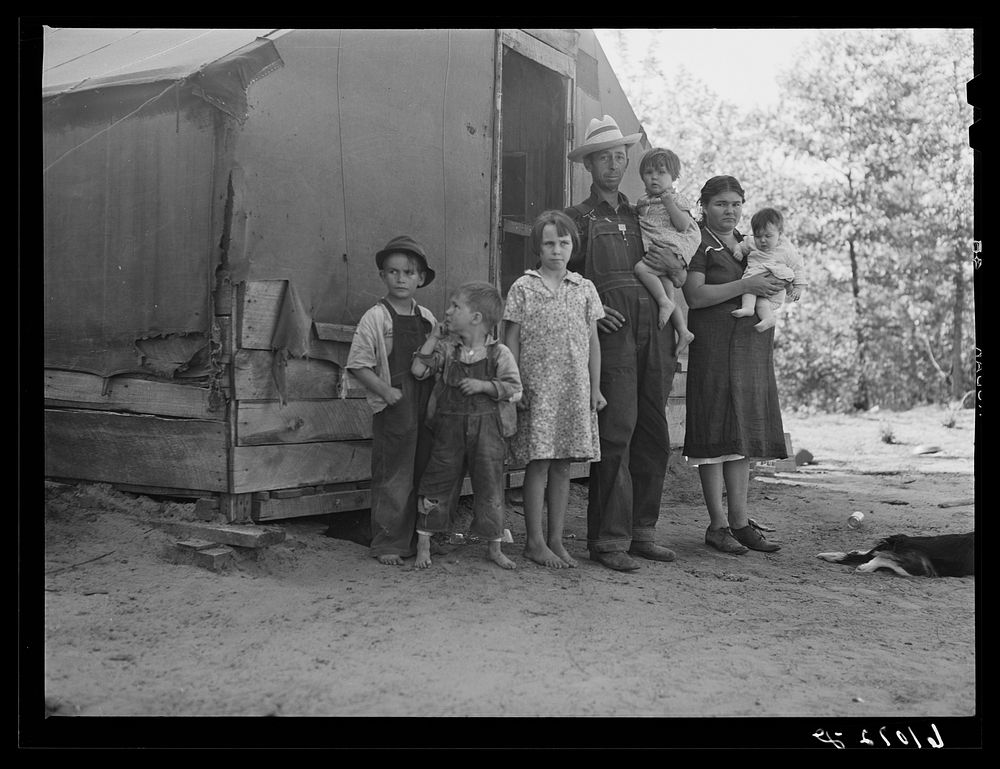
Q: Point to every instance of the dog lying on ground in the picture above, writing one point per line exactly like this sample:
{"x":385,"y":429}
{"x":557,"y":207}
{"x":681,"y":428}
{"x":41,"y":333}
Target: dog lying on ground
{"x":943,"y":555}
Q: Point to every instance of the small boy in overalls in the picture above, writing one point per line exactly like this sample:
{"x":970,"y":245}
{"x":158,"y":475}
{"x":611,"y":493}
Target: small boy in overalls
{"x":472,"y":413}
{"x":385,"y":340}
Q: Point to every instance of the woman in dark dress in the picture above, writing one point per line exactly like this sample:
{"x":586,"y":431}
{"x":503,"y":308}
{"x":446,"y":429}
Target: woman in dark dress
{"x":732,"y":398}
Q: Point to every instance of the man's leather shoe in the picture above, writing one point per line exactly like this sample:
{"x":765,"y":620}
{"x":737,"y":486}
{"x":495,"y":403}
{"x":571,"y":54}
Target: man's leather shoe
{"x":618,"y":561}
{"x":652,"y":551}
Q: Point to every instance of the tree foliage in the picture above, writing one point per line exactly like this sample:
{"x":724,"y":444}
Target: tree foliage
{"x":868,"y":157}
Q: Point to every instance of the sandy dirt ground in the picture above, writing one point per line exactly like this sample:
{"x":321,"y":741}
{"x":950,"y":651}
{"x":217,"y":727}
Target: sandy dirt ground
{"x":313,"y":626}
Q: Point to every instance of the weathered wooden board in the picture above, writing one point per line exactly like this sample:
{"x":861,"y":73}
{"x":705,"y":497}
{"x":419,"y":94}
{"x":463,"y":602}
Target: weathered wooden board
{"x":542,"y":52}
{"x":268,"y":422}
{"x":260,"y":308}
{"x":225,"y":534}
{"x":135,"y":449}
{"x":334,"y":332}
{"x":274,"y":508}
{"x":76,"y":389}
{"x":225,"y":338}
{"x":260,"y":302}
{"x":304,"y":378}
{"x":564,"y":40}
{"x":678,"y":387}
{"x":676,"y":420}
{"x":259,"y":468}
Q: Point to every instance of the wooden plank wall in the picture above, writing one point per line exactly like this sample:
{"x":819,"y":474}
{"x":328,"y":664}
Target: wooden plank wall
{"x":138,"y":449}
{"x":76,"y":389}
{"x":144,"y":434}
{"x":676,"y":404}
{"x":131,"y":431}
{"x":300,"y":455}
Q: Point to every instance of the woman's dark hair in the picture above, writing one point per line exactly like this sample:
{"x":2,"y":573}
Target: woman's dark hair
{"x":660,"y":157}
{"x":563,"y":224}
{"x":716,"y":186}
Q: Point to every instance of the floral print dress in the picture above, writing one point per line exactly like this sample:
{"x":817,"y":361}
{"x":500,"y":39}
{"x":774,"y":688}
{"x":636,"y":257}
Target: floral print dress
{"x":554,"y":363}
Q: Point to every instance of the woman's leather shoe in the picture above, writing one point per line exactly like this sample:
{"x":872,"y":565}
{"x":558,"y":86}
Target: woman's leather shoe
{"x":750,"y":536}
{"x":722,"y":539}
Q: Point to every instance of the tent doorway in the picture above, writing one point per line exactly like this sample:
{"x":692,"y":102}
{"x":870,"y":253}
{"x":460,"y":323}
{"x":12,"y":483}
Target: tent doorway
{"x":533,"y":174}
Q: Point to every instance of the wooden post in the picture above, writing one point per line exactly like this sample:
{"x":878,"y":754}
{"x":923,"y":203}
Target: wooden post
{"x":238,"y":508}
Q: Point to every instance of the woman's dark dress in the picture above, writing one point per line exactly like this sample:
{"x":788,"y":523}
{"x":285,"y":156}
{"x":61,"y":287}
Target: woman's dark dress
{"x":732,"y":397}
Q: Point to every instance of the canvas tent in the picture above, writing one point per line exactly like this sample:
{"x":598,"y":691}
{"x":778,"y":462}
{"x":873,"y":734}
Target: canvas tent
{"x":212,"y":203}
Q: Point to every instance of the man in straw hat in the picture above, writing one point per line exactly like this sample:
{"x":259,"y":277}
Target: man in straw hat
{"x":637,"y":359}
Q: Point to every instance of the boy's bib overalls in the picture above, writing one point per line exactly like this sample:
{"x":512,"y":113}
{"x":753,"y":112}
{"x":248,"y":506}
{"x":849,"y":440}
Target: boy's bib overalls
{"x":400,"y":443}
{"x":467,"y":437}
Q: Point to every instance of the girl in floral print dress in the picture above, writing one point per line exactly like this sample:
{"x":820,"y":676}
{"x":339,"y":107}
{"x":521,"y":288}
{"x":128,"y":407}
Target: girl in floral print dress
{"x":551,"y":319}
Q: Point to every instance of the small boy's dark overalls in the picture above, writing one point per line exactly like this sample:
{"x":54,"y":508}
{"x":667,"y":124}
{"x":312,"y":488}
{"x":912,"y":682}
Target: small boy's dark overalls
{"x":467,"y":438}
{"x":400,"y":443}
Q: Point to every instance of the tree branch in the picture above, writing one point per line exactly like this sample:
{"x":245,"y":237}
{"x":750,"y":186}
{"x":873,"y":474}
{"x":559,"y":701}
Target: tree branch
{"x":930,"y":354}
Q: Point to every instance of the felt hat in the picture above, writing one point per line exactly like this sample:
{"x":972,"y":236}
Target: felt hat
{"x":406,"y":245}
{"x":602,"y":133}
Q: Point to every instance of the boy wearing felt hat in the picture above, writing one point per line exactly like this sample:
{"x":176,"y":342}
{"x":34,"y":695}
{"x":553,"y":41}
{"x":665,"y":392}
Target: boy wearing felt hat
{"x":381,"y":354}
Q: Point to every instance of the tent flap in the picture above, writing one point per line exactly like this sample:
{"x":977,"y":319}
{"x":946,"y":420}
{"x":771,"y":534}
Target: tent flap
{"x":224,"y":83}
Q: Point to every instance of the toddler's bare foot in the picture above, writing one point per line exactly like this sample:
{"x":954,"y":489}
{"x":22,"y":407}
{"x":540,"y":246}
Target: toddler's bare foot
{"x":741,"y":313}
{"x":564,"y":555}
{"x":390,"y":559}
{"x":666,"y":310}
{"x":684,"y":338}
{"x":764,"y":325}
{"x":497,"y":556}
{"x":543,"y":555}
{"x":423,"y":553}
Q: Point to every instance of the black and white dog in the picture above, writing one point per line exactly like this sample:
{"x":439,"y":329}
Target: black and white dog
{"x":944,"y":555}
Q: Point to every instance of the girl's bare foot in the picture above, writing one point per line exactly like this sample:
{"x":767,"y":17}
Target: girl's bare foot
{"x":390,"y":559}
{"x":765,"y":324}
{"x":564,"y":555}
{"x":423,"y":553}
{"x":543,"y":555}
{"x":497,"y":556}
{"x":741,"y":313}
{"x":684,"y":338}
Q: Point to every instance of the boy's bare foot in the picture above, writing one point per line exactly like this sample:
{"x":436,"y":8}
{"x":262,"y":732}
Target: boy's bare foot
{"x":564,"y":555}
{"x":741,"y":313}
{"x":684,"y":338}
{"x":765,"y":324}
{"x":423,"y":559}
{"x":496,"y":555}
{"x":545,"y":556}
{"x":390,"y":559}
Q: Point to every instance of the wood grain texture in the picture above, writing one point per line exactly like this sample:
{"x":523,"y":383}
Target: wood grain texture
{"x":259,"y":468}
{"x":135,"y":449}
{"x":142,"y":396}
{"x":268,"y":422}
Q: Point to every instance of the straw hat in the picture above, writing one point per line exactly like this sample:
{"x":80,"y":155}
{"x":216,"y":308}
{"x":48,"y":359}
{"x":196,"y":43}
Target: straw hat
{"x":407,"y":245}
{"x":602,"y":133}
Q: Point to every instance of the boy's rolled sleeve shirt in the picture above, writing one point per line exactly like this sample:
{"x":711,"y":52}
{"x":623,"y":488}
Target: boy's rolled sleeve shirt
{"x":371,"y":346}
{"x":508,"y":381}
